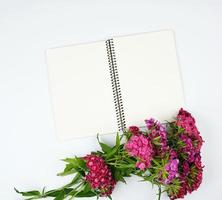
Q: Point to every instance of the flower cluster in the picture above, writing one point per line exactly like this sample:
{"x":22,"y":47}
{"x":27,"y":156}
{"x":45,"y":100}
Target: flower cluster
{"x":99,"y":176}
{"x":170,"y":151}
{"x":140,"y":147}
{"x":172,"y":170}
{"x":187,"y":122}
{"x":158,"y":136}
{"x":189,"y":143}
{"x":166,"y":154}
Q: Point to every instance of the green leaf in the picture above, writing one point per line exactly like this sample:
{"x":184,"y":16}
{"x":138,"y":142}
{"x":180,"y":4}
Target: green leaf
{"x":78,"y":163}
{"x":112,"y":152}
{"x":67,"y":173}
{"x":117,"y":174}
{"x":130,"y":160}
{"x":60,"y":196}
{"x":157,"y":163}
{"x":127,"y":166}
{"x":110,"y":198}
{"x":43,"y":191}
{"x":69,"y":169}
{"x":106,"y":148}
{"x":28,"y":193}
{"x":55,"y":193}
{"x":81,"y":163}
{"x":117,"y":140}
{"x":88,"y":194}
{"x":75,"y":180}
{"x":69,"y":160}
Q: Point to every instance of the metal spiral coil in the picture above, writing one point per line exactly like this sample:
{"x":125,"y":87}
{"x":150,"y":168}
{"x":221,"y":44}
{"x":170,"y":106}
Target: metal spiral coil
{"x":115,"y":85}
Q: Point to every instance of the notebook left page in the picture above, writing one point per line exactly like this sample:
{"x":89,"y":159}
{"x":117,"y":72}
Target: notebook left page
{"x":80,"y":88}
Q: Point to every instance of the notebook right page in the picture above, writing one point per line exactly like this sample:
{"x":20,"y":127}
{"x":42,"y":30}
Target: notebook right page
{"x":149,"y":75}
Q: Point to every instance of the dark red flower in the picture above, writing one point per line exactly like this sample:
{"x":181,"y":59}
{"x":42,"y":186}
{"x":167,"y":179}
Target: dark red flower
{"x":134,"y":129}
{"x":99,"y":176}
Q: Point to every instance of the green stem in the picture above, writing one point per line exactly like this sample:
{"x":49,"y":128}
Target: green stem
{"x":160,"y":192}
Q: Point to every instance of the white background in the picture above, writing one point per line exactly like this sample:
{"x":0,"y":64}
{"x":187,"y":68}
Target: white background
{"x":29,"y":151}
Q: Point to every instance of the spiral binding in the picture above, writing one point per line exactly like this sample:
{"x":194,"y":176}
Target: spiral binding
{"x":115,"y":85}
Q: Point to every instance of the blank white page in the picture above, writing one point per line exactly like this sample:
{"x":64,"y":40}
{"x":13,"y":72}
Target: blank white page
{"x":149,"y":76}
{"x":80,"y":87}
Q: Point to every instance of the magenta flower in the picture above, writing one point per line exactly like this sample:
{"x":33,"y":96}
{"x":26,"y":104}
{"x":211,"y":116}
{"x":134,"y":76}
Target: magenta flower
{"x":140,"y":147}
{"x":187,"y":122}
{"x":172,"y":169}
{"x":191,"y":165}
{"x":186,"y":169}
{"x":150,"y":123}
{"x":157,"y":133}
{"x":189,"y":150}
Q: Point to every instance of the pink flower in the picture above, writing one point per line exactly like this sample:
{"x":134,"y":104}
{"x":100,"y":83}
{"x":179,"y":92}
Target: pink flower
{"x":172,"y":169}
{"x":99,"y":176}
{"x":140,"y":147}
{"x":173,"y":154}
{"x":140,"y":165}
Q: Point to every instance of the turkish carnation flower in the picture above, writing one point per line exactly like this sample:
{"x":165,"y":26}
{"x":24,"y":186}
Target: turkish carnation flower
{"x":134,"y":129}
{"x":189,"y":150}
{"x":172,"y":169}
{"x":181,"y":192}
{"x":190,"y":179}
{"x":196,"y":174}
{"x":99,"y":176}
{"x":191,"y":166}
{"x":167,"y":155}
{"x":158,"y":135}
{"x":140,"y":147}
{"x":187,"y":122}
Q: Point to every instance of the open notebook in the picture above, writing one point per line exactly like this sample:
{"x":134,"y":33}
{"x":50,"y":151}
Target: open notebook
{"x":105,"y":86}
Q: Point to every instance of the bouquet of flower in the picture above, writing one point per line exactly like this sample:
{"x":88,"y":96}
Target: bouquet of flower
{"x":165,"y":154}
